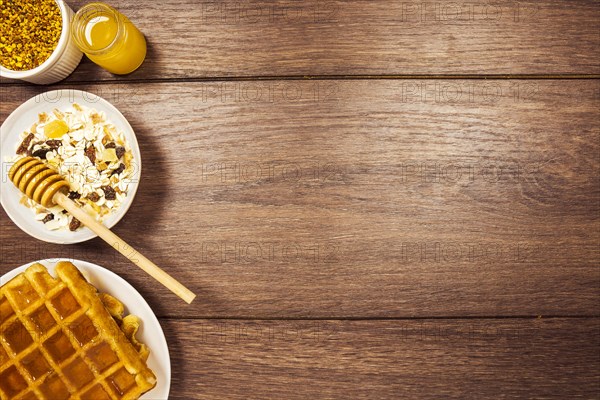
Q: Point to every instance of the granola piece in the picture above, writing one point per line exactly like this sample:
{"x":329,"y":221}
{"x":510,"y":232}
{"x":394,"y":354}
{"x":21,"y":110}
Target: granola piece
{"x":90,"y":153}
{"x":109,"y":192}
{"x":74,"y":195}
{"x":119,"y":169}
{"x":110,"y":145}
{"x":41,"y":153}
{"x":109,"y":155}
{"x":59,"y":114}
{"x":54,"y":144}
{"x":25,"y":144}
{"x":56,"y":129}
{"x":128,"y":158}
{"x":120,"y":151}
{"x":74,"y":224}
{"x":93,"y":197}
{"x":96,"y":118}
{"x":48,"y":217}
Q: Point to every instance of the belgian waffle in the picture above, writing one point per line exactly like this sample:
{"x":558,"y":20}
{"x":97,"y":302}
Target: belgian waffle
{"x":59,"y":341}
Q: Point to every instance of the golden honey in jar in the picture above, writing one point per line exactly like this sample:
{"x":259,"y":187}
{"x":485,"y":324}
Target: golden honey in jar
{"x":108,"y":38}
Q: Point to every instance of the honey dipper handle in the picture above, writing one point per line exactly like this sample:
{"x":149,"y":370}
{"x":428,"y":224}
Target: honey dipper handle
{"x":122,"y":247}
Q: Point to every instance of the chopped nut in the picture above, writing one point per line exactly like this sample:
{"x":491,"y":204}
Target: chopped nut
{"x":48,"y":217}
{"x":25,"y":144}
{"x":109,"y":192}
{"x":74,"y":224}
{"x":110,"y":145}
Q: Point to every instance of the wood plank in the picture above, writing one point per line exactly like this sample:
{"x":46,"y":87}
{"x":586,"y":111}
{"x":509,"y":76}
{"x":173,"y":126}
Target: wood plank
{"x":358,"y":198}
{"x":188,"y":38}
{"x":454,"y":359}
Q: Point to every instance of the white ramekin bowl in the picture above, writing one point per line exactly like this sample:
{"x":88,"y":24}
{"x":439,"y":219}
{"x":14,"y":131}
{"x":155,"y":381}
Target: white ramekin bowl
{"x":63,"y":60}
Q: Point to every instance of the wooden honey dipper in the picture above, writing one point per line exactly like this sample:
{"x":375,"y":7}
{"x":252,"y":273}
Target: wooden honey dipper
{"x":48,"y":188}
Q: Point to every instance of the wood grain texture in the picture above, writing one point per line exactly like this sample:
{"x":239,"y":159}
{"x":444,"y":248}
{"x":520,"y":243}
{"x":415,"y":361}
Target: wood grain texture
{"x":457,"y":359}
{"x":192,"y":38}
{"x":358,"y":198}
{"x":323,"y":222}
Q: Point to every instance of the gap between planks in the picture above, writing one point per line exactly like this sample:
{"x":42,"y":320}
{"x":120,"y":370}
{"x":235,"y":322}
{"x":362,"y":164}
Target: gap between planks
{"x":432,"y":318}
{"x":326,"y":77}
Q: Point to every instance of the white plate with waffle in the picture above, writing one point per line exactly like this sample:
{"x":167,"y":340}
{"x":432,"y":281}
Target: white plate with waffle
{"x":150,"y":331}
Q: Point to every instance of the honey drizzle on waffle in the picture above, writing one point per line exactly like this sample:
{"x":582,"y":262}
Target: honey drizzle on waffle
{"x":34,"y":295}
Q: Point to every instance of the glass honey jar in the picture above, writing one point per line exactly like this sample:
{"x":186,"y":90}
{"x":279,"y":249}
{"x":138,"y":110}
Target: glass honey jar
{"x":108,"y":38}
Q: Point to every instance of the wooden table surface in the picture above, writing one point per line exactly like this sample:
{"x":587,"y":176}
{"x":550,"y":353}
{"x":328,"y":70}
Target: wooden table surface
{"x":372,"y":199}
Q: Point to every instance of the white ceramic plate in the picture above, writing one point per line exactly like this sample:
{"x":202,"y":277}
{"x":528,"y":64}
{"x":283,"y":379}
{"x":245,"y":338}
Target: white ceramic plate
{"x":21,"y":120}
{"x":150,"y":331}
